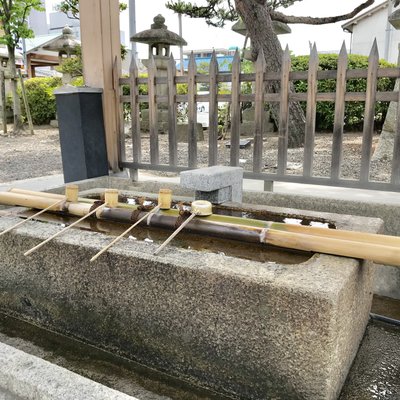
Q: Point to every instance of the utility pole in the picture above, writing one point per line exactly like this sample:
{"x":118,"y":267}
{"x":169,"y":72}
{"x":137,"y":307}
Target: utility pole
{"x":132,"y":25}
{"x":388,"y":32}
{"x":181,"y":47}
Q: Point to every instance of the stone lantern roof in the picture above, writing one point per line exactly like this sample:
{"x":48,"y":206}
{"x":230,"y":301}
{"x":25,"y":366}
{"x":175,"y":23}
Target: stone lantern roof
{"x":66,"y":43}
{"x":394,"y":19}
{"x":158,"y":34}
{"x":280,"y":28}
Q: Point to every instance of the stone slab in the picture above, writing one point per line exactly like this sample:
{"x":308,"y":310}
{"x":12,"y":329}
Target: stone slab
{"x":244,"y":328}
{"x":211,"y":178}
{"x":182,"y":133}
{"x":26,"y":377}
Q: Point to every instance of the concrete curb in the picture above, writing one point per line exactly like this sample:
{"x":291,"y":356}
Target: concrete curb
{"x":23,"y":376}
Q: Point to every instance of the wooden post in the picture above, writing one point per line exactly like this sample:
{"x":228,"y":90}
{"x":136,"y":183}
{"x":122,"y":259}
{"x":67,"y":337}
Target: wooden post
{"x":312,"y":87}
{"x":369,"y":113}
{"x":101,"y":49}
{"x":26,"y":104}
{"x":338,"y":127}
{"x":213,"y":113}
{"x":192,"y":113}
{"x":235,"y":111}
{"x":3,"y":101}
{"x":283,"y":137}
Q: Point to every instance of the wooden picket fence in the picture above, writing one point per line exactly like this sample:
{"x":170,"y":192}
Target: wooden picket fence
{"x":259,"y":98}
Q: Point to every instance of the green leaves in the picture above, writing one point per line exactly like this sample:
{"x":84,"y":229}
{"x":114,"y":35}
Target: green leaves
{"x":41,"y":100}
{"x":13,"y":16}
{"x":217,"y":12}
{"x":71,"y":8}
{"x":354,"y":110}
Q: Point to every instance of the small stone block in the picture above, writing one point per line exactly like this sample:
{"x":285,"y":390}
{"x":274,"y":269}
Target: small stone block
{"x":211,"y":178}
{"x":242,"y":144}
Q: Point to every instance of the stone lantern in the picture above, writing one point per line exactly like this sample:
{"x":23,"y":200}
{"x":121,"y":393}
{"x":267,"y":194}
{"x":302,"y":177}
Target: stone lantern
{"x":394,"y":19}
{"x":384,"y":149}
{"x":66,"y":46}
{"x":159,"y":39}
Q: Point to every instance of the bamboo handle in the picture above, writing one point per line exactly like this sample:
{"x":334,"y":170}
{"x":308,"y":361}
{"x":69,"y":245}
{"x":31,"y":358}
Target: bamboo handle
{"x":63,"y":230}
{"x":385,"y":240}
{"x":175,"y":233}
{"x":32,"y":216}
{"x":155,"y":209}
{"x":378,"y":253}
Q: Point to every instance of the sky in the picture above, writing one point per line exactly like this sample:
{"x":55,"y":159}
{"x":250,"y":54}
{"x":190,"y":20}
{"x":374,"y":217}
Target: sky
{"x":200,"y":36}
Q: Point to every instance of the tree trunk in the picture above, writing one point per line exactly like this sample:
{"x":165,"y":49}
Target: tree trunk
{"x":259,"y":27}
{"x":18,"y":123}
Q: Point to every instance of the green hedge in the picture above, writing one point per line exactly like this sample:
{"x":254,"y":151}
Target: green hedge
{"x":41,"y":100}
{"x":354,"y":111}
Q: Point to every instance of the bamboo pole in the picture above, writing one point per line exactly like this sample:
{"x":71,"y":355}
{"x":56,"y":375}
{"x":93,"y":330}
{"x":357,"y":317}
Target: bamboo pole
{"x":354,"y":236}
{"x":63,"y":230}
{"x":389,"y":255}
{"x":26,"y":200}
{"x":154,"y":210}
{"x":32,"y":217}
{"x":39,"y":194}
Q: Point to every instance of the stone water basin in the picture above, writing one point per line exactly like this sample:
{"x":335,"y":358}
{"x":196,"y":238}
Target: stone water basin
{"x":242,"y":328}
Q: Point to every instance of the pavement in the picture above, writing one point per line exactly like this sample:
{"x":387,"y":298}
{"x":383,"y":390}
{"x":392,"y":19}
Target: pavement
{"x":44,"y":183}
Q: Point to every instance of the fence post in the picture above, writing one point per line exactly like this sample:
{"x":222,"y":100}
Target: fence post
{"x":311,"y":112}
{"x":235,"y":110}
{"x":369,"y":114}
{"x":213,"y":112}
{"x":192,"y":113}
{"x":153,"y":111}
{"x":284,"y":114}
{"x":172,"y":140}
{"x":135,"y":118}
{"x":337,"y":139}
{"x":259,"y":113}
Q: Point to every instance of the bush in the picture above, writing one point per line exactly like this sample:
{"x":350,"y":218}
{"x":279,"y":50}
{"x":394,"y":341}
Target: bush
{"x":41,"y":100}
{"x":354,"y":111}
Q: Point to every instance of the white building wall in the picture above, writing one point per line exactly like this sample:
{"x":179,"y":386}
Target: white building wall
{"x":375,"y":26}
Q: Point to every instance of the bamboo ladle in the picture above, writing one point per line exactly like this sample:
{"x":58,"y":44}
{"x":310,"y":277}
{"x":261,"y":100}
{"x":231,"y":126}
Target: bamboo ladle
{"x":201,"y":208}
{"x":164,"y":203}
{"x":71,"y":195}
{"x":111,"y":200}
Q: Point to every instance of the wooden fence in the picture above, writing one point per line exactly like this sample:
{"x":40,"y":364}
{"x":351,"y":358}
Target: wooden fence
{"x":259,"y":98}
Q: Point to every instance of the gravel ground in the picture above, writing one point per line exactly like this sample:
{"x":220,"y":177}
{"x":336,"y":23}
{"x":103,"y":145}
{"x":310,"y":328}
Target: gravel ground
{"x":30,"y":156}
{"x":380,"y":171}
{"x":24,"y":157}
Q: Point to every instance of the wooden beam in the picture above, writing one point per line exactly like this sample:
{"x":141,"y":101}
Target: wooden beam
{"x":100,"y":48}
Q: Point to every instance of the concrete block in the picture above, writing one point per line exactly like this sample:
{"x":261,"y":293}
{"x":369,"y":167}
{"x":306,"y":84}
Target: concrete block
{"x":243,"y":328}
{"x":211,"y":178}
{"x":217,"y":184}
{"x":26,"y":377}
{"x":182,"y":133}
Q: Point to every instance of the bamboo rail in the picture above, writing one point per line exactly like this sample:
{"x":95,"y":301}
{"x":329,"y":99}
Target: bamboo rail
{"x":378,"y":248}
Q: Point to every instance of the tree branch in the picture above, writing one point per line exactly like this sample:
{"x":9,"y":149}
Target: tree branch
{"x":292,"y":19}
